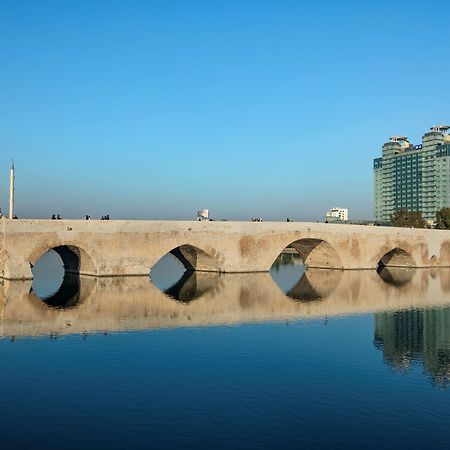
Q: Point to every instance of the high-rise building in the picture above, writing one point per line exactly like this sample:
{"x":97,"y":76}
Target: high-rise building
{"x":413,"y":177}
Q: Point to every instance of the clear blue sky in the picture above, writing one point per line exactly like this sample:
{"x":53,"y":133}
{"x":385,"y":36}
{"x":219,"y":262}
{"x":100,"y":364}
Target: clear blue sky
{"x":155,"y":109}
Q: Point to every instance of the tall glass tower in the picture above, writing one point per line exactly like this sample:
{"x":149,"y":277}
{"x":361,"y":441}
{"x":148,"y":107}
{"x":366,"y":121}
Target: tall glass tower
{"x":413,"y":177}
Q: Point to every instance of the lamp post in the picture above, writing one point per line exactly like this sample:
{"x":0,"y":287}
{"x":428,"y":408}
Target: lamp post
{"x":11,"y":192}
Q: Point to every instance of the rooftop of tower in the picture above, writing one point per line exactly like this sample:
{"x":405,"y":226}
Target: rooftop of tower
{"x":440,"y":128}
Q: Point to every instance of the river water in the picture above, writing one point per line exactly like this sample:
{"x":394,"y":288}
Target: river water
{"x":291,"y":359}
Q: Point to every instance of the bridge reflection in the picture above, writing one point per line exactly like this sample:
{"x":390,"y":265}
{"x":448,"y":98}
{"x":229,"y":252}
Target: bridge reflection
{"x":130,"y":303}
{"x":412,"y":307}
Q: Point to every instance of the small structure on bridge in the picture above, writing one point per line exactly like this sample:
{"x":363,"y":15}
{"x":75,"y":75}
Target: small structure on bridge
{"x":337,"y":215}
{"x":203,"y":214}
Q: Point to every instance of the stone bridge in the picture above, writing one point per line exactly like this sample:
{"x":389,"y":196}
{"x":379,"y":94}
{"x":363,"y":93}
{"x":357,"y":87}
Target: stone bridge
{"x":115,"y":248}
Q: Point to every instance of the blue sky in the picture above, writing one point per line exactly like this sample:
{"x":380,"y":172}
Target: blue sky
{"x":156,"y":109}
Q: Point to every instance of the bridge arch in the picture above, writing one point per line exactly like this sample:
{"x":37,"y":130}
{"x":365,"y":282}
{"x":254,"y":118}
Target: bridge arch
{"x":194,"y":258}
{"x":74,"y":258}
{"x":185,"y":272}
{"x":317,"y":253}
{"x":397,"y":257}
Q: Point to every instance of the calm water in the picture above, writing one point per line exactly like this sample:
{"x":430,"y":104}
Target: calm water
{"x":291,"y":359}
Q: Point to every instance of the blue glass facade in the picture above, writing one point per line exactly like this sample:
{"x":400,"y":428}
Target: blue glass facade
{"x":416,"y":178}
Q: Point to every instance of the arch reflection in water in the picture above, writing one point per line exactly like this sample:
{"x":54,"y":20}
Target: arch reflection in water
{"x":192,"y":285}
{"x":68,"y":294}
{"x":315,"y":285}
{"x":396,"y":276}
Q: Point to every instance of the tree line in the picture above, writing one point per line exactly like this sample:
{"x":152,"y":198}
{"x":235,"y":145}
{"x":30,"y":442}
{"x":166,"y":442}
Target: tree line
{"x":414,"y":219}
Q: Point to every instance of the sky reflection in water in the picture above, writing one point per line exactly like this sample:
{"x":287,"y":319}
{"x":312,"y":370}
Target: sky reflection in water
{"x":342,"y":359}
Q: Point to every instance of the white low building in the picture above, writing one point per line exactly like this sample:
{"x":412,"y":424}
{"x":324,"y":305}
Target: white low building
{"x":203,"y":214}
{"x":337,"y":215}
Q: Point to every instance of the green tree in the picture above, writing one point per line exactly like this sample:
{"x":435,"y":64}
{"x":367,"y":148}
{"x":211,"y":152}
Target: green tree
{"x":404,"y":218}
{"x":443,"y":219}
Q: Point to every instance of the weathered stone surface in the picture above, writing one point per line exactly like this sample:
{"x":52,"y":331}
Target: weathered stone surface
{"x":113,"y":248}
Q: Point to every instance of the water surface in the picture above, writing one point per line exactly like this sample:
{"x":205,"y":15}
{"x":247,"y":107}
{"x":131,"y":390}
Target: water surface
{"x":290,"y":359}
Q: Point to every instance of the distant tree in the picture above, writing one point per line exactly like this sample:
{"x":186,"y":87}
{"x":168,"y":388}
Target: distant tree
{"x":443,"y":219}
{"x":405,"y":218}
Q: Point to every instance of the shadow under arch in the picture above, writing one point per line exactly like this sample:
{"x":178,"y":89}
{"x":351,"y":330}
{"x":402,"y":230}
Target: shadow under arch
{"x":315,"y":285}
{"x":397,"y":257}
{"x":317,"y":253}
{"x":194,"y":258}
{"x":75,"y":259}
{"x":192,"y":285}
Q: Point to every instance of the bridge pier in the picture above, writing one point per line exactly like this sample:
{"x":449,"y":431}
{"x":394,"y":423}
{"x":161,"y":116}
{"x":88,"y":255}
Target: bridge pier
{"x":17,"y":269}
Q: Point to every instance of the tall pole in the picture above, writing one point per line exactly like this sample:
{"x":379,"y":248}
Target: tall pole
{"x":11,"y":192}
